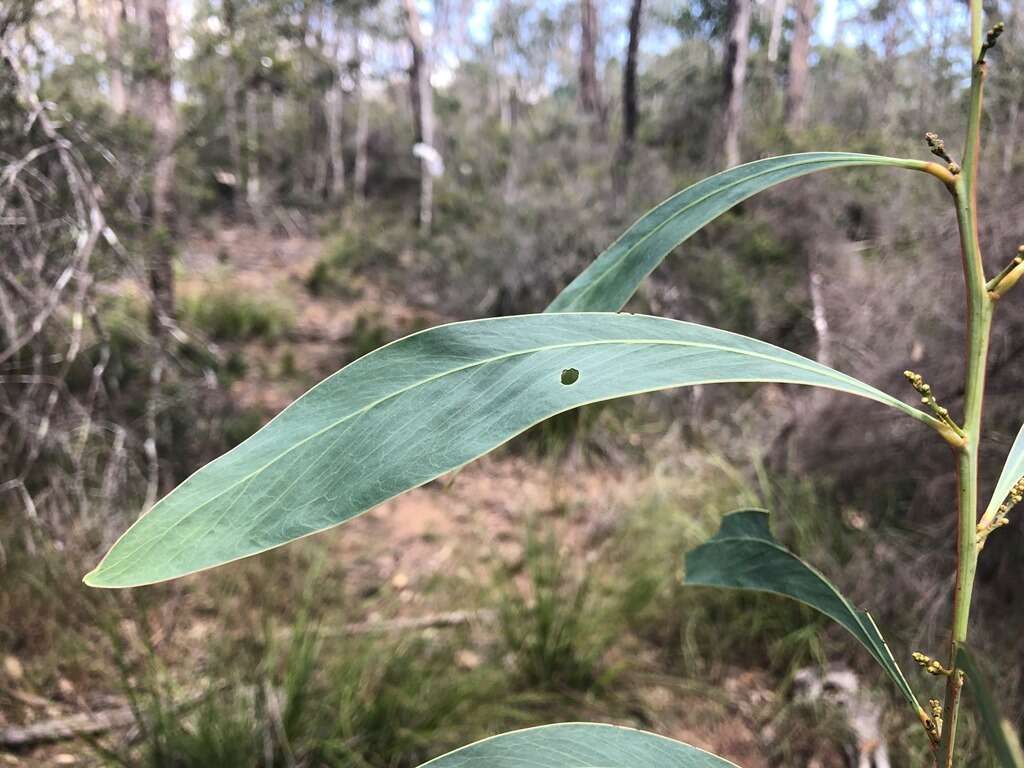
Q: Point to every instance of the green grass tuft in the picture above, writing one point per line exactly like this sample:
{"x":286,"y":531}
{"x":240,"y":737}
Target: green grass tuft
{"x":225,"y":314}
{"x":553,"y":634}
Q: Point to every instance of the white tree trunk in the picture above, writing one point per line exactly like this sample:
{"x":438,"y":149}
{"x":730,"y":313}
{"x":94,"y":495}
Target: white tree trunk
{"x":253,"y":191}
{"x":334,"y":105}
{"x":423,"y":109}
{"x":362,"y":121}
{"x":775,"y":30}
{"x":114,"y":12}
{"x":819,"y":316}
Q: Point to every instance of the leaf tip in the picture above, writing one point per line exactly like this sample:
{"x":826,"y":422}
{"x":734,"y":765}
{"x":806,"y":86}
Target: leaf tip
{"x":100,"y":578}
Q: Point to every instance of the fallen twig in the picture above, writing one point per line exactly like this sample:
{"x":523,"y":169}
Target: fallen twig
{"x":61,"y":728}
{"x":436,"y":620}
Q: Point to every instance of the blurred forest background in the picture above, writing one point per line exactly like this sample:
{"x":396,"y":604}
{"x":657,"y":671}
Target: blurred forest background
{"x":208,"y":205}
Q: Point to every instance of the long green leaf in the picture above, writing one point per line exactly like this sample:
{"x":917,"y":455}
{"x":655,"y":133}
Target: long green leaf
{"x":420,"y":407}
{"x":579,"y":745}
{"x":1013,"y":470}
{"x":609,"y":282}
{"x":1000,"y":733}
{"x":745,"y":555}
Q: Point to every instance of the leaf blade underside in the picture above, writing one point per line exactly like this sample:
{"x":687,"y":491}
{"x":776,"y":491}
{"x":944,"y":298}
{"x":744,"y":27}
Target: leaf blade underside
{"x":615,"y":275}
{"x":578,"y":745}
{"x":423,"y":406}
{"x":744,"y":554}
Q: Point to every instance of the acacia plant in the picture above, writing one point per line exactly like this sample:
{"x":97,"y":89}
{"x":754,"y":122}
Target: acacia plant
{"x":433,"y":401}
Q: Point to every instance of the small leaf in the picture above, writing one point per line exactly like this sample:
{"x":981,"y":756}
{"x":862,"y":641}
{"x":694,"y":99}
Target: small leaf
{"x":609,"y":282}
{"x":578,"y":745}
{"x":1000,"y":733}
{"x":745,"y":555}
{"x":1013,"y":470}
{"x":423,"y":406}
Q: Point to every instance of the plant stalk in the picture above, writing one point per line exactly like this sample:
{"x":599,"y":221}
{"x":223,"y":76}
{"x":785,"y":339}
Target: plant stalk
{"x":979,"y":323}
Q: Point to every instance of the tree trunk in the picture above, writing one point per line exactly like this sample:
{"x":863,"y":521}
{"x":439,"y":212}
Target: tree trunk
{"x":799,"y":52}
{"x":510,"y":187}
{"x":630,"y":111}
{"x":317,"y":151}
{"x":234,"y":132}
{"x":499,"y":54}
{"x":113,"y":21}
{"x":232,"y":120}
{"x":158,"y":104}
{"x":334,"y":104}
{"x":1010,"y":141}
{"x":253,"y":192}
{"x":160,"y":111}
{"x":423,"y":109}
{"x":362,"y":120}
{"x":819,"y":316}
{"x":590,"y":88}
{"x":736,"y":53}
{"x":775,"y":31}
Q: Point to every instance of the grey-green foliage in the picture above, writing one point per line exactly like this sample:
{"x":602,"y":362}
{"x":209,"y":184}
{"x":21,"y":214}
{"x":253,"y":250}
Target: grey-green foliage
{"x":614,"y":276}
{"x":744,"y":554}
{"x":423,"y":406}
{"x":579,"y":745}
{"x":433,"y":401}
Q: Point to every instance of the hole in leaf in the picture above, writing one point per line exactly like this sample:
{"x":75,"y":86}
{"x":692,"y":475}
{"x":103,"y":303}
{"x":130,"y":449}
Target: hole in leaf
{"x":570,"y":376}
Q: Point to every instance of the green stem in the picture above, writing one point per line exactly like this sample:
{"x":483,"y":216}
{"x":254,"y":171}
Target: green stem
{"x":979,"y":323}
{"x":972,"y":144}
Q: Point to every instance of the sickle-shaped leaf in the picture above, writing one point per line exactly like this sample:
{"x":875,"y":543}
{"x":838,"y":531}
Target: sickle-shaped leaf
{"x":579,"y":745}
{"x":745,"y":555}
{"x":609,"y":282}
{"x":1000,"y":732}
{"x":1013,"y":470}
{"x":420,"y":407}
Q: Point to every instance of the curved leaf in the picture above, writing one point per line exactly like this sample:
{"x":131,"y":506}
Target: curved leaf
{"x":579,"y":745}
{"x":1013,"y":470}
{"x":609,"y":282}
{"x":420,"y":407}
{"x":745,"y":555}
{"x":1000,"y":733}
